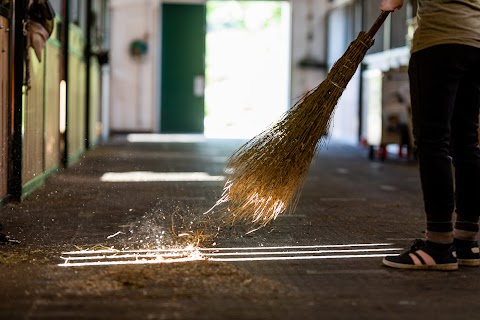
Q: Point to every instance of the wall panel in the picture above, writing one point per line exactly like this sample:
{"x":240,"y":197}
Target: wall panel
{"x":95,"y":93}
{"x":52,"y":105}
{"x":33,"y":121}
{"x":76,"y":96}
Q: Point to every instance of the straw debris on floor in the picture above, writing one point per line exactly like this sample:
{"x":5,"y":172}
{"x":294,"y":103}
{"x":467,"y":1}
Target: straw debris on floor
{"x":18,"y":254}
{"x":195,"y":280}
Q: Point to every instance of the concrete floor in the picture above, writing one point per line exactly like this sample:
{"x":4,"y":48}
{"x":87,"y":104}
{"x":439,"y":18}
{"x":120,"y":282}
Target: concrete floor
{"x":295,"y":269}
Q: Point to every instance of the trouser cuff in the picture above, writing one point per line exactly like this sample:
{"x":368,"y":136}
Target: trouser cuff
{"x":443,"y":226}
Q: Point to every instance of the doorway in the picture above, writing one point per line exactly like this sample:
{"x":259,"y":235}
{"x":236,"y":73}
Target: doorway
{"x":183,"y":68}
{"x":247,"y":66}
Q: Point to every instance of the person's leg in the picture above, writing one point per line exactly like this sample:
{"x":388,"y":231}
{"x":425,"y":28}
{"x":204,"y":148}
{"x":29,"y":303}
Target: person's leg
{"x":435,"y":75}
{"x":466,"y":159}
{"x":465,"y":151}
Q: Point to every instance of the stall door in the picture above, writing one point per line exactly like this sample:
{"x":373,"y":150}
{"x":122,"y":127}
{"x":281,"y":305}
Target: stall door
{"x":183,"y":68}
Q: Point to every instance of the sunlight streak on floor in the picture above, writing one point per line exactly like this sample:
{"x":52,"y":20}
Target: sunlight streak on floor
{"x":165,"y":138}
{"x":148,"y":176}
{"x":115,"y":257}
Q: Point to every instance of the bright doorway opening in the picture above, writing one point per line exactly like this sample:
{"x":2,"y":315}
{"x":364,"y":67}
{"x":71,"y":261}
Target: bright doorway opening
{"x":247,"y":66}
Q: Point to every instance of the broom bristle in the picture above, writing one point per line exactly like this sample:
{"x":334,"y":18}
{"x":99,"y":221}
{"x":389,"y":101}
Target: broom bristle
{"x":267,"y":172}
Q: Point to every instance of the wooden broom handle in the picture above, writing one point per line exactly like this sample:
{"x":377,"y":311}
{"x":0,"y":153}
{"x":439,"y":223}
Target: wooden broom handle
{"x":378,"y":23}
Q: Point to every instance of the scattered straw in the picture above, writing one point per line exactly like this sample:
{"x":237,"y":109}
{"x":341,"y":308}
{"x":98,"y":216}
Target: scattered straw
{"x":96,"y":247}
{"x":195,"y":281}
{"x":26,"y":255}
{"x":13,"y":258}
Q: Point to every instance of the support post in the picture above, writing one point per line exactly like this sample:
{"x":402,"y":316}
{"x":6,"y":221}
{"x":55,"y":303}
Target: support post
{"x":17,"y":61}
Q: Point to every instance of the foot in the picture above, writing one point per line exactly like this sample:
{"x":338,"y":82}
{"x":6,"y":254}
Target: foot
{"x":425,"y":256}
{"x":468,"y":253}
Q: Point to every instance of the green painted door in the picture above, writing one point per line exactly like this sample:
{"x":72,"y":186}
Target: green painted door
{"x":183,"y":68}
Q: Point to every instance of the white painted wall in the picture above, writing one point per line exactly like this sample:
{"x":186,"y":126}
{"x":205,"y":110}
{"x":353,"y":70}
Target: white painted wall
{"x":133,"y":82}
{"x":135,"y":85}
{"x":345,"y":119}
{"x":345,"y":123}
{"x":304,"y":79}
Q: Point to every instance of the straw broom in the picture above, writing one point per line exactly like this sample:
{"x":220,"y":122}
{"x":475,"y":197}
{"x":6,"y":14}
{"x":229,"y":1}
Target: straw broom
{"x":267,"y":173}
